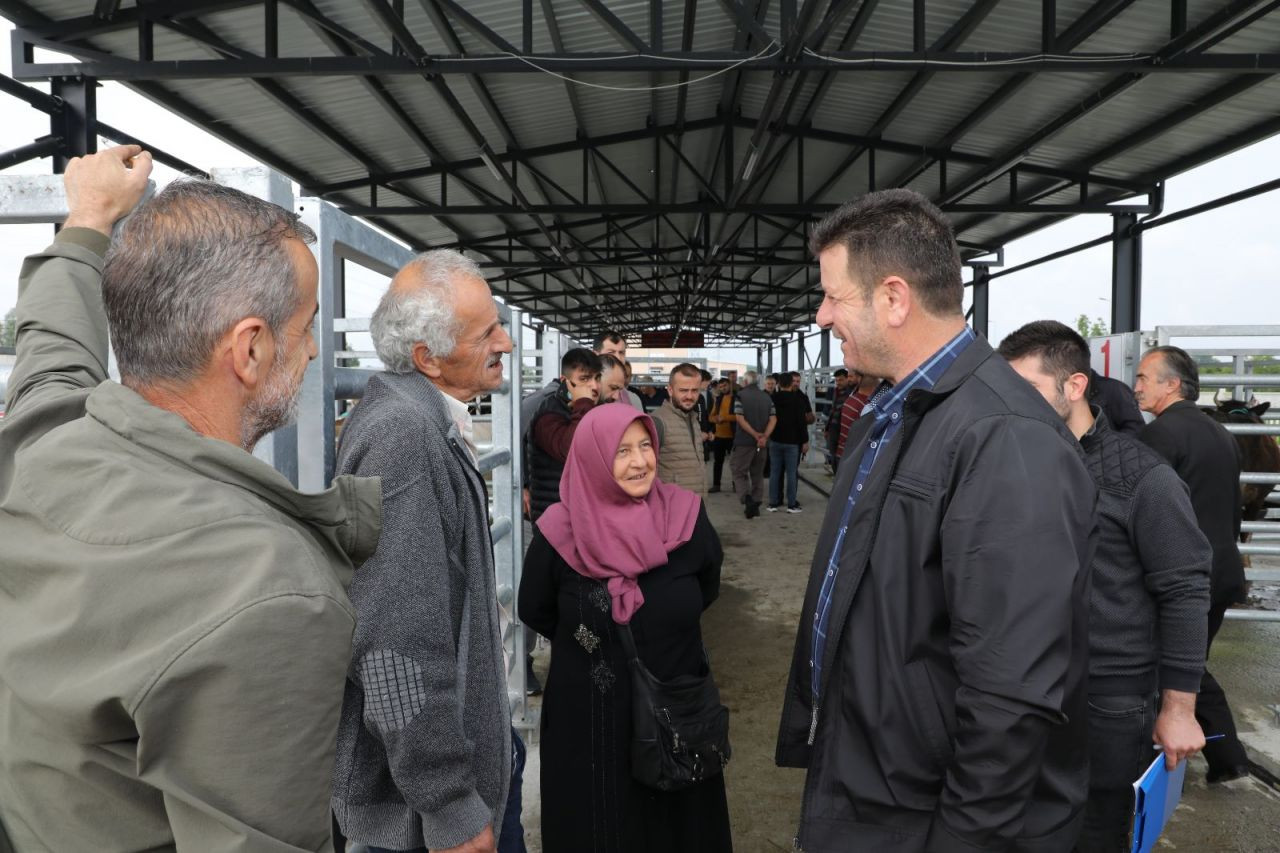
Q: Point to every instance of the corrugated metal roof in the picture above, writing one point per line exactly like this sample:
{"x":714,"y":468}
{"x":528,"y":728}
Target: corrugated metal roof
{"x":532,"y":112}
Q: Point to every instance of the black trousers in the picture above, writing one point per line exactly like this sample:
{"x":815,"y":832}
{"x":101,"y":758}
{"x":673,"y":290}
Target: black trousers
{"x":1119,"y":752}
{"x":720,"y":448}
{"x":1214,"y":715}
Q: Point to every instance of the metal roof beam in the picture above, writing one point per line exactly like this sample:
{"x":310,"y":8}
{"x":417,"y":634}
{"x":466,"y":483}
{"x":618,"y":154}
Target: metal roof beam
{"x":571,"y":92}
{"x":201,"y":34}
{"x":111,"y":67}
{"x":88,"y":26}
{"x":45,"y":103}
{"x":853,"y":32}
{"x":396,"y":28}
{"x":1101,"y":13}
{"x":791,"y":48}
{"x":951,"y":39}
{"x":1193,"y":40}
{"x":811,"y":209}
{"x":682,"y":96}
{"x":476,"y":26}
{"x":1097,"y":16}
{"x":520,"y":154}
{"x":329,"y":32}
{"x":624,"y":34}
{"x":747,"y":22}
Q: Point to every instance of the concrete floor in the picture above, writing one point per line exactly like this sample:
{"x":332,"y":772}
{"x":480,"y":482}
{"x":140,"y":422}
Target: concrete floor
{"x":749,"y":634}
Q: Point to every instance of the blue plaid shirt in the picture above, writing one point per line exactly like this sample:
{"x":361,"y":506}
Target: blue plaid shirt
{"x":886,"y":407}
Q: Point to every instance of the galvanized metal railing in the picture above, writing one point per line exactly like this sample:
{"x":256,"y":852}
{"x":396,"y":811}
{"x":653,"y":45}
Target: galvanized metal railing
{"x":1262,"y":531}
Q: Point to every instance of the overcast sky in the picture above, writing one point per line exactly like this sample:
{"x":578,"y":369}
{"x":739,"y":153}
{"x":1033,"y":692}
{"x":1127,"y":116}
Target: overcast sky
{"x":1217,"y":268}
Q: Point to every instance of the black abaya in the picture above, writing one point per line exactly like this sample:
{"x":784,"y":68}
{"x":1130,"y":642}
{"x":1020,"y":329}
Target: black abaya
{"x":589,"y":800}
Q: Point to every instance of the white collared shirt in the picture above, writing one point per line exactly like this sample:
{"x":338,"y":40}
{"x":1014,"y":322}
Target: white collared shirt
{"x":466,"y":426}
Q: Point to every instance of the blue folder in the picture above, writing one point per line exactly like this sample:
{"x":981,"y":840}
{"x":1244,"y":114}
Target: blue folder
{"x":1156,"y":795}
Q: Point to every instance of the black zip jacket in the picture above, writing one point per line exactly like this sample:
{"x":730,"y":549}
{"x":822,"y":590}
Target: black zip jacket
{"x":544,"y":469}
{"x":952,"y":716}
{"x":1207,"y":458}
{"x":1149,"y":602}
{"x":1117,"y":402}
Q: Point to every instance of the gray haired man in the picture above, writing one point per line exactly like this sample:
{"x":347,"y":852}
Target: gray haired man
{"x":175,"y":630}
{"x":426,"y":753}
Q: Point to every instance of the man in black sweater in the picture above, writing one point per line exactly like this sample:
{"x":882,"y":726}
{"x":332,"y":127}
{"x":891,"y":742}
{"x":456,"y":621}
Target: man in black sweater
{"x":1149,"y":596}
{"x":1207,"y":458}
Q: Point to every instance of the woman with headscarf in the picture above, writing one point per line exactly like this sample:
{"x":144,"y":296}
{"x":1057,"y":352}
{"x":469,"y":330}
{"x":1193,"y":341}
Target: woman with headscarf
{"x":621,"y":547}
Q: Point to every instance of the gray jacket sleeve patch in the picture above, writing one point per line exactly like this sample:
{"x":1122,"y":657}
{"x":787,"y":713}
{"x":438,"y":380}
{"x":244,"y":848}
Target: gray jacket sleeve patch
{"x":394,"y":692}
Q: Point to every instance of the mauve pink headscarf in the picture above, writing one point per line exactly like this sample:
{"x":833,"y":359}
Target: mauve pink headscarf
{"x":600,"y":530}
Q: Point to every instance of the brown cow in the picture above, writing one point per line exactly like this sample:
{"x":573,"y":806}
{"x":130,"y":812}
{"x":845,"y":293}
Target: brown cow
{"x":1259,"y":453}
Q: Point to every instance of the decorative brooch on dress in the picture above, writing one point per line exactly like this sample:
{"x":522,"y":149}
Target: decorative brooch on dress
{"x":586,"y":638}
{"x":602,"y":675}
{"x":600,"y":598}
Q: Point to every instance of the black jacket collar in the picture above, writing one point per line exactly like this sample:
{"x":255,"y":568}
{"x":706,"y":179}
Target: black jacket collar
{"x":967,"y":362}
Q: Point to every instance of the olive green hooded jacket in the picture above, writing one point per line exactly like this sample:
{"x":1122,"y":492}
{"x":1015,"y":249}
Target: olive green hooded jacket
{"x":174,"y":630}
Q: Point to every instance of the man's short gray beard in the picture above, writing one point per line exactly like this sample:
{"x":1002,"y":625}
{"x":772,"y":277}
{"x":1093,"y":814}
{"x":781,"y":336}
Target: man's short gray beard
{"x":275,"y":406}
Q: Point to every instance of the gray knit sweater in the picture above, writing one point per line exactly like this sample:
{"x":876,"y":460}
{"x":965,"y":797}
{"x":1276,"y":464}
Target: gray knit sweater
{"x":1149,"y":595}
{"x":424,"y":743}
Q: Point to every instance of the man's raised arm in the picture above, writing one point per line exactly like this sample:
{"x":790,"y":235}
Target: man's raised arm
{"x":62,"y":329}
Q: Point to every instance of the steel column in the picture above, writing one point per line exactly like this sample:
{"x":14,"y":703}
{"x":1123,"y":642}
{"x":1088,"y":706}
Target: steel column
{"x":981,"y":289}
{"x":824,"y":348}
{"x":785,"y":355}
{"x":1126,"y":273}
{"x":77,"y":119}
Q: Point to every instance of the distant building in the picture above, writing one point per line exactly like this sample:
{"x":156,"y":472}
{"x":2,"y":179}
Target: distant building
{"x":647,"y":369}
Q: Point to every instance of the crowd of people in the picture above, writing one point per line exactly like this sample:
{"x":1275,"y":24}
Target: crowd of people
{"x":1011,"y":599}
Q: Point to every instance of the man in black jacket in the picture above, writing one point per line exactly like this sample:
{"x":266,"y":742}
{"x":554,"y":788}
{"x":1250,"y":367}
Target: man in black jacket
{"x":1150,"y":590}
{"x":1207,"y":458}
{"x":937,"y":691}
{"x":1117,"y":402}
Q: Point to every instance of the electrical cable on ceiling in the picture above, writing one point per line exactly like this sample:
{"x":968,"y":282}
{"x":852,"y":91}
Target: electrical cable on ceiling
{"x":771,"y":50}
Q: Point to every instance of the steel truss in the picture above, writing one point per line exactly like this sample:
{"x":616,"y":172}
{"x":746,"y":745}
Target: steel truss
{"x":732,"y":261}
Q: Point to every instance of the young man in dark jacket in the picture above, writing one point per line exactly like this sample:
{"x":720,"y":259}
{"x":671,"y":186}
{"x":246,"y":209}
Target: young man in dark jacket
{"x":937,"y":691}
{"x":1150,"y":595}
{"x":1207,"y":458}
{"x":554,"y":423}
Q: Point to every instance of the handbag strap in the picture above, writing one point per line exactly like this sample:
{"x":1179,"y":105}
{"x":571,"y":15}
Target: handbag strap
{"x":633,"y":654}
{"x":628,"y":642}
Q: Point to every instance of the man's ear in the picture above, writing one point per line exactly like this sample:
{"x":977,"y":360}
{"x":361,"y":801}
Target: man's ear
{"x":424,"y":362}
{"x":894,"y":294}
{"x":252,"y":351}
{"x":1076,"y":386}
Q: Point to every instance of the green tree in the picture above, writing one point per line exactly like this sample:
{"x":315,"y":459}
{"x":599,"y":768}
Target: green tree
{"x":9,"y":328}
{"x":1094,"y":328}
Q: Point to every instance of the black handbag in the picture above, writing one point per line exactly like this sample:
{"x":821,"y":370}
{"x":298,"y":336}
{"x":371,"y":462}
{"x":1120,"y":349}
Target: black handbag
{"x":679,"y":728}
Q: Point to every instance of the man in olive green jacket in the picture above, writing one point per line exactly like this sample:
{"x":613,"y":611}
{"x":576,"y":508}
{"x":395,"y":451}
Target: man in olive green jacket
{"x":175,"y":628}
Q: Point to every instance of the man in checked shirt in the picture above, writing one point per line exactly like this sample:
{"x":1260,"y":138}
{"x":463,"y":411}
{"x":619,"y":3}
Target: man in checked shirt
{"x":937,"y":691}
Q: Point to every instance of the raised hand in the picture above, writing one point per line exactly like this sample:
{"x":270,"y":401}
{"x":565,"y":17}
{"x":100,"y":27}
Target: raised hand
{"x":103,"y":187}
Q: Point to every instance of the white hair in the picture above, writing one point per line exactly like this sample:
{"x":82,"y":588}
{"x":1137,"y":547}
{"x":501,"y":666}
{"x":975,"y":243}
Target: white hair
{"x":424,"y":314}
